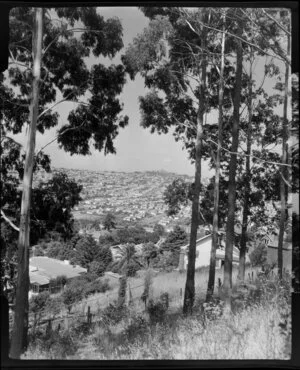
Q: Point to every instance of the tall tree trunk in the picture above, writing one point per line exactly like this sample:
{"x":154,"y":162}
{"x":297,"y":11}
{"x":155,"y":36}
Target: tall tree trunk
{"x":212,"y":264}
{"x":243,"y":246}
{"x":284,"y":171}
{"x":20,"y":328}
{"x":227,"y":286}
{"x":189,"y":293}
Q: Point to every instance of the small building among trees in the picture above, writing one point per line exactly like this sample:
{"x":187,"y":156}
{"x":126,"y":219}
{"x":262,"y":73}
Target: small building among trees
{"x":43,"y":270}
{"x":203,"y":248}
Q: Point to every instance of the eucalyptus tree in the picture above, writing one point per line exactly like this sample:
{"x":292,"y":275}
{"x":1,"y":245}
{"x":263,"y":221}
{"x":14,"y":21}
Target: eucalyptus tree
{"x":172,"y":55}
{"x":60,"y":40}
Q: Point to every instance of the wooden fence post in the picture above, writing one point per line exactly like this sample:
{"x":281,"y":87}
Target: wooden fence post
{"x":89,"y":316}
{"x":49,"y":327}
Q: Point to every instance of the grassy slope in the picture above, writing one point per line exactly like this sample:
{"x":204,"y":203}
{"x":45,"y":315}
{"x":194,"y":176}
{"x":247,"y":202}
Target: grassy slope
{"x":252,"y":332}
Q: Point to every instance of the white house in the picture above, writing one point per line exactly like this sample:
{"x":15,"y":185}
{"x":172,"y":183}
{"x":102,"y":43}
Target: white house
{"x":203,"y":249}
{"x":43,"y":269}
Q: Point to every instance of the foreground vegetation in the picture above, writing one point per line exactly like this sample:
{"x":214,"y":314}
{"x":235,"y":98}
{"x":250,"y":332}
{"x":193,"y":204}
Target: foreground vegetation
{"x":259,"y":327}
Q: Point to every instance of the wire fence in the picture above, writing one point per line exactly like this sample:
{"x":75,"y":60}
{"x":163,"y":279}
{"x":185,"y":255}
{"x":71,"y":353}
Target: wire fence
{"x":91,"y":309}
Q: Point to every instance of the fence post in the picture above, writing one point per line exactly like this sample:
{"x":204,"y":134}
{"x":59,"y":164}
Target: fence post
{"x":180,"y":292}
{"x":49,"y":327}
{"x":249,"y":276}
{"x":89,"y":316}
{"x":252,"y":276}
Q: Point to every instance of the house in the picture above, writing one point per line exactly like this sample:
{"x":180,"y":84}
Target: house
{"x":271,"y":241}
{"x":203,"y":249}
{"x":43,"y":269}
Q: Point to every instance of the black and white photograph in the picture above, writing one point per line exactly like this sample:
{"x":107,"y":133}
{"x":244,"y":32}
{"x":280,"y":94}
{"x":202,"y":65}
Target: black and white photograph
{"x":149,"y":182}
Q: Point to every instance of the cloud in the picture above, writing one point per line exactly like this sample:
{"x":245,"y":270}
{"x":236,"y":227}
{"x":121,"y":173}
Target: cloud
{"x":167,"y":160}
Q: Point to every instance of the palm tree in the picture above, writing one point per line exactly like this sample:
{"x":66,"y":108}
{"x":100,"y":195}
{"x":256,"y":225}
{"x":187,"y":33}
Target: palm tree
{"x":124,"y":265}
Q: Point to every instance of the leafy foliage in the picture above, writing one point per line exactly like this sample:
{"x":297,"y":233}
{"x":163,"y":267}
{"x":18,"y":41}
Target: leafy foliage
{"x":109,"y":222}
{"x":175,"y":195}
{"x":72,"y":293}
{"x":175,"y":239}
{"x":52,"y":205}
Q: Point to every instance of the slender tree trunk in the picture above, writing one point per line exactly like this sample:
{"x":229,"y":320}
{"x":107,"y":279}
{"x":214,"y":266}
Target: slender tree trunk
{"x":212,"y":265}
{"x":189,"y":293}
{"x":20,"y":328}
{"x":243,"y":246}
{"x":284,"y":171}
{"x":227,"y":286}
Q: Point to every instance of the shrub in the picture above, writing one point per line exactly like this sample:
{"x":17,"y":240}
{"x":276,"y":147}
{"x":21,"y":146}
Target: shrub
{"x":97,"y":268}
{"x":72,"y":294}
{"x":157,"y":310}
{"x":97,"y":286}
{"x":58,"y":283}
{"x":56,"y":345}
{"x":114,"y":313}
{"x":258,"y":256}
{"x":137,"y":327}
{"x":213,"y":309}
{"x":132,"y":268}
{"x":54,"y":306}
{"x":37,"y":305}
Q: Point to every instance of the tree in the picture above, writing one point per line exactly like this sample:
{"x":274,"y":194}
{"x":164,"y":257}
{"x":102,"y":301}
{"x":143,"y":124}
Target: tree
{"x":37,"y":305}
{"x":159,"y":230}
{"x":212,"y":264}
{"x":178,"y":71}
{"x":284,"y":170}
{"x":86,"y":250}
{"x":19,"y":334}
{"x":95,"y":118}
{"x":52,"y":206}
{"x":128,"y":264}
{"x":72,"y":294}
{"x":232,"y":170}
{"x":175,"y":239}
{"x":175,"y":195}
{"x":109,"y":221}
{"x":97,"y":268}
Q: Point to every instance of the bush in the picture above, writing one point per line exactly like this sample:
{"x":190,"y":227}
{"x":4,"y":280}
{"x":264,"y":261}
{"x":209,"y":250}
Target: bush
{"x":54,"y":306}
{"x":72,"y":294}
{"x":57,"y":284}
{"x":38,"y":302}
{"x":97,"y":286}
{"x":37,"y":305}
{"x":114,"y":313}
{"x":157,"y":310}
{"x":58,"y":345}
{"x":137,"y":327}
{"x":258,"y":257}
{"x":132,"y":268}
{"x":97,"y":268}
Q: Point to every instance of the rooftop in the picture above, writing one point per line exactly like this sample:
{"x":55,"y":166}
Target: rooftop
{"x":42,"y":269}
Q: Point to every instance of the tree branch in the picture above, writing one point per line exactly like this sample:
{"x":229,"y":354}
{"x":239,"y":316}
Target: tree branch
{"x":62,"y":133}
{"x":250,"y":155}
{"x":9,"y":221}
{"x":278,"y":24}
{"x":282,"y":58}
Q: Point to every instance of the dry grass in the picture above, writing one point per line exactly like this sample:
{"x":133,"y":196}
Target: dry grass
{"x":252,"y":332}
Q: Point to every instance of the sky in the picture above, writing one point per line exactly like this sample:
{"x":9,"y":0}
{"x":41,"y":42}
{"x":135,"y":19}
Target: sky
{"x":137,"y":149}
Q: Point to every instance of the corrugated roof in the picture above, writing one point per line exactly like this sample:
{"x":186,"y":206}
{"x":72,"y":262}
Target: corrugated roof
{"x":50,"y":268}
{"x":37,"y":278}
